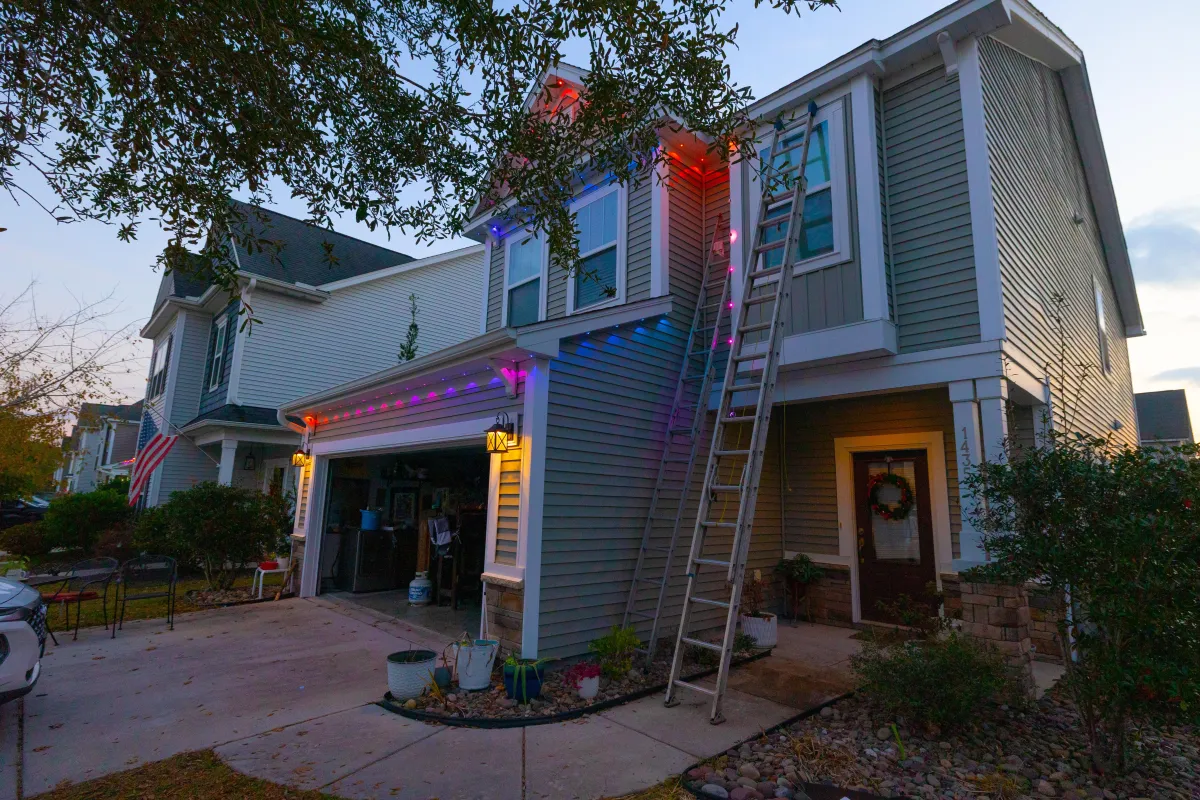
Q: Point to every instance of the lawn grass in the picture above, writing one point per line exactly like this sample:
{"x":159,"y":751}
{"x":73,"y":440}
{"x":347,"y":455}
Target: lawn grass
{"x":154,"y":608}
{"x":188,"y":776}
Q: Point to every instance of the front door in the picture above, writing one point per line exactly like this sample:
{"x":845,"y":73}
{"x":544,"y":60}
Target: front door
{"x":895,"y":530}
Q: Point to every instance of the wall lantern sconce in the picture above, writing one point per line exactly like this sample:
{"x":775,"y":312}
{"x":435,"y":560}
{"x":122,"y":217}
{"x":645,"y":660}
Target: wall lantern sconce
{"x":299,"y":458}
{"x":501,"y":437}
{"x":249,"y":464}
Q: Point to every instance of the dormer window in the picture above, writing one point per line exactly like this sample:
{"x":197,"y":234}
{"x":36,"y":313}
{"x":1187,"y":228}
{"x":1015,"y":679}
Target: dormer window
{"x":524,"y":267}
{"x":600,"y":232}
{"x":159,"y":362}
{"x":217,"y":359}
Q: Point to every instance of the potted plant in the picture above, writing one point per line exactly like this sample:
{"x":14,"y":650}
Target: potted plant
{"x":799,"y":573}
{"x":409,"y":672}
{"x":585,"y":677}
{"x":523,"y":678}
{"x":762,"y":625}
{"x":473,"y":660}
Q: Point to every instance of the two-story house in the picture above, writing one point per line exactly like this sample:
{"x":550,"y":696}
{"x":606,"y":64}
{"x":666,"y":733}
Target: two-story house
{"x":960,"y":224}
{"x":101,"y":446}
{"x":217,"y":381}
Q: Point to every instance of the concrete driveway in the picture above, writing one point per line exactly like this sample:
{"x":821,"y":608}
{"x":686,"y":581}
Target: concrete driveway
{"x":285,"y":691}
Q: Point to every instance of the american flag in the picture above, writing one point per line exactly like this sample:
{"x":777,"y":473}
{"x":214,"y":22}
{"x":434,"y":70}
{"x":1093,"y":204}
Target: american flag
{"x":147,"y":460}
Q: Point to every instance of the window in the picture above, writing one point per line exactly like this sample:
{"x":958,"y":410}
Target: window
{"x":1101,"y":327}
{"x":824,"y":235}
{"x":217,"y":358}
{"x":524,"y":267}
{"x":599,"y":276}
{"x":159,"y":363}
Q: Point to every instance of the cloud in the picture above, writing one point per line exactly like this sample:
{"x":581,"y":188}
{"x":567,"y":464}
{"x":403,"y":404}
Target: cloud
{"x":1188,"y":376}
{"x":1165,"y":247}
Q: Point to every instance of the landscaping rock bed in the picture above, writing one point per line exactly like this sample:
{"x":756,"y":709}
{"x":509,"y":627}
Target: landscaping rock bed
{"x":491,"y":708}
{"x":1039,"y":753}
{"x":218,"y":598}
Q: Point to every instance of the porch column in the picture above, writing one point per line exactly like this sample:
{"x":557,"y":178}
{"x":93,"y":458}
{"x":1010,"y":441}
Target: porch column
{"x":228,"y":460}
{"x":968,"y":443}
{"x":992,"y":394}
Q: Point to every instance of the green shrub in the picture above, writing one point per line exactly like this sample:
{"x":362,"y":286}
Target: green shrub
{"x":616,"y":650}
{"x":75,"y":521}
{"x":151,"y":534}
{"x":219,"y":529}
{"x":27,"y":540}
{"x":800,"y":569}
{"x":279,"y":509}
{"x":942,"y":682}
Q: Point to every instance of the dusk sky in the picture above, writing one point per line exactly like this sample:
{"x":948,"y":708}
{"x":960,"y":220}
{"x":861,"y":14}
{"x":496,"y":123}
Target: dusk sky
{"x":1136,"y":59}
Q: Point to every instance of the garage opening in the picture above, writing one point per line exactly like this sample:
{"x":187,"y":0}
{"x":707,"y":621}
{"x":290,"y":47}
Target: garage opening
{"x":384,"y":518}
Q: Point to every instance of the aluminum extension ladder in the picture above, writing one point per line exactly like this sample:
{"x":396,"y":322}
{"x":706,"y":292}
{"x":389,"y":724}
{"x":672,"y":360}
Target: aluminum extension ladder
{"x":747,"y":392}
{"x":673,"y":486}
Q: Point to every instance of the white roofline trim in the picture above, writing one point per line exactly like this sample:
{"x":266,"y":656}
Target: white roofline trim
{"x":387,"y":272}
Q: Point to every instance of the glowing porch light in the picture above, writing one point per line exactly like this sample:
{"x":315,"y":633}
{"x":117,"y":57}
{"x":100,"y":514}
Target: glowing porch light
{"x":502,"y":435}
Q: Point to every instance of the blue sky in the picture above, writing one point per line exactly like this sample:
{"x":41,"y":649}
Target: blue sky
{"x":1140,"y":72}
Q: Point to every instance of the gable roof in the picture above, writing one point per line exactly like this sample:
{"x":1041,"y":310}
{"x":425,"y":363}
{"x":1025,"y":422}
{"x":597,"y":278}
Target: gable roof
{"x":1163,"y":416}
{"x":91,"y":413}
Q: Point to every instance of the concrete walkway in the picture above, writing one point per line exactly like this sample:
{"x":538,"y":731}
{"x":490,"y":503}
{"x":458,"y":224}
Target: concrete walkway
{"x":285,"y":691}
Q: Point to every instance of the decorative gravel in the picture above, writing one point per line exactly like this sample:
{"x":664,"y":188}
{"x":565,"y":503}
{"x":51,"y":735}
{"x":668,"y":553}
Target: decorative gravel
{"x":557,"y":697}
{"x":1040,"y":752}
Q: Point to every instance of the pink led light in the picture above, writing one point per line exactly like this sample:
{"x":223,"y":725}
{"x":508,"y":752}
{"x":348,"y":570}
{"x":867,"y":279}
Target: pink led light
{"x":732,"y":236}
{"x":370,"y":409}
{"x":431,"y":396}
{"x":522,"y":374}
{"x":415,"y":399}
{"x":731,"y":268}
{"x":731,"y":304}
{"x":730,"y":340}
{"x":383,"y":407}
{"x":358,"y":412}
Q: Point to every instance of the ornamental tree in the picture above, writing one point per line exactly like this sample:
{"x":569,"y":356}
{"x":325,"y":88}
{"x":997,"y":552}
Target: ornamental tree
{"x":1115,"y":533}
{"x":408,"y":114}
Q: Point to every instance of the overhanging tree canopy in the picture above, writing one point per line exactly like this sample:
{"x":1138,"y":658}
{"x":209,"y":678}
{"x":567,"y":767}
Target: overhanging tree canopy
{"x":150,"y":109}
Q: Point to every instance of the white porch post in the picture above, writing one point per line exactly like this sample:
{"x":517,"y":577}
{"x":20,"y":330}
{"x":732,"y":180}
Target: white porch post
{"x":310,"y":571}
{"x":533,"y":477}
{"x":992,"y":394}
{"x":228,"y":460}
{"x":969,"y":445}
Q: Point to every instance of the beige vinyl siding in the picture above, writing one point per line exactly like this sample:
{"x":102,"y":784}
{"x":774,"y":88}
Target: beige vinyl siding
{"x":810,"y":484}
{"x":303,"y":480}
{"x":509,"y":507}
{"x":302,"y":347}
{"x":495,"y":306}
{"x":931,"y":249}
{"x":637,"y":280}
{"x":1038,"y":186}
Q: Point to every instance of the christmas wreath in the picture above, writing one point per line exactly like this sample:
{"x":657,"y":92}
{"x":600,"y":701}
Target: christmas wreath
{"x":890,"y":512}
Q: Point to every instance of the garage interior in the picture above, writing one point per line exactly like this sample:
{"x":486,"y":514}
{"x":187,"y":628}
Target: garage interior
{"x":400,"y":497}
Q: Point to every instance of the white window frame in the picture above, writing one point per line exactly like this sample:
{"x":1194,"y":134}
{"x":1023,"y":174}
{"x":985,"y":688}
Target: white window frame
{"x":1102,"y":328}
{"x":622,"y":245}
{"x":513,"y":237}
{"x":218,"y":354}
{"x":839,"y":184}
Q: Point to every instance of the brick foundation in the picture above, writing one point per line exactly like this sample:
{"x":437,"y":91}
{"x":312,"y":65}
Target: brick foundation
{"x":999,"y":615}
{"x":1045,"y":612}
{"x":505,"y":612}
{"x":830,"y":599}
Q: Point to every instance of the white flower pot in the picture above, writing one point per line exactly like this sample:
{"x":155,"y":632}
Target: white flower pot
{"x":473,"y":663}
{"x":589,"y":687}
{"x":764,"y":630}
{"x":409,"y":672}
{"x":283,"y":562}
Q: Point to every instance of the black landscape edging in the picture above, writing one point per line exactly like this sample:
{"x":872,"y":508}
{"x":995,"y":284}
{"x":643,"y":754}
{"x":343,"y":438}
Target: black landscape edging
{"x":390,"y":704}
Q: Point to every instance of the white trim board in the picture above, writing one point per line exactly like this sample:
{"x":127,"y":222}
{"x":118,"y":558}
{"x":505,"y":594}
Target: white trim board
{"x":660,"y":225}
{"x":933,"y":443}
{"x":407,"y":437}
{"x":622,"y":244}
{"x":533,"y":479}
{"x":869,"y":213}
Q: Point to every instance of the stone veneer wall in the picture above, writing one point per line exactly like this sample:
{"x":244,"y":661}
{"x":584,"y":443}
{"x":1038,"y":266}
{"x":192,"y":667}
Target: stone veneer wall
{"x":505,"y":612}
{"x":999,"y":615}
{"x":1044,"y":615}
{"x":830,"y":599}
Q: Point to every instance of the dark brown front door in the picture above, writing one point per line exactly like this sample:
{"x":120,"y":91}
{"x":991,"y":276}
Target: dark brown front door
{"x":895,"y":556}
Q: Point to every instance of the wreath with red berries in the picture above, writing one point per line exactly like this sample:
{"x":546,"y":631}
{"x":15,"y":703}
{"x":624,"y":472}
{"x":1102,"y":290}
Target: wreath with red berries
{"x":897,"y":511}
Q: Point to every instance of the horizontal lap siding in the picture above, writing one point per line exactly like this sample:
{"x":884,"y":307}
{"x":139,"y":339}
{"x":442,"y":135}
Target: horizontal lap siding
{"x":810,"y":482}
{"x":929,"y":244}
{"x":637,"y":282}
{"x":186,"y":465}
{"x":301,"y":347}
{"x":1038,"y":185}
{"x":495,"y":308}
{"x":212,"y":399}
{"x":510,"y":506}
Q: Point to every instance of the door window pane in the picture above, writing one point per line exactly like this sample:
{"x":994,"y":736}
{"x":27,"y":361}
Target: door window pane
{"x":524,"y":302}
{"x":896,"y":541}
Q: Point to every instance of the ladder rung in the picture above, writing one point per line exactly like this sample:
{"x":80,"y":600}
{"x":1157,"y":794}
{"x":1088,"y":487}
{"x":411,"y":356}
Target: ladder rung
{"x":734,"y":420}
{"x":726,"y":487}
{"x":745,"y":387}
{"x":692,"y":378}
{"x":708,"y":601}
{"x":653,"y":581}
{"x":766,"y":272}
{"x":750,"y":357}
{"x":695,"y":688}
{"x":701,"y":643}
{"x":758,"y":326}
{"x":676,"y":460}
{"x":757,"y":301}
{"x":769,"y":246}
{"x":710,"y":562}
{"x":711,"y":524}
{"x":723,"y":453}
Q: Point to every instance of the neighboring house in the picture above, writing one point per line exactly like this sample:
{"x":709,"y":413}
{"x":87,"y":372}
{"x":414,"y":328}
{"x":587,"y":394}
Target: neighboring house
{"x":101,"y":446}
{"x":218,"y":381}
{"x":958,"y":184}
{"x":1163,"y":418}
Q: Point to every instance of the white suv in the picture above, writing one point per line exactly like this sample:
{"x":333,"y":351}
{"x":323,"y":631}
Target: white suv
{"x":22,"y":638}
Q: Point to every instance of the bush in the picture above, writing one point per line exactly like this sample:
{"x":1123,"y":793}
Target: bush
{"x":217,"y":529}
{"x":942,"y":682}
{"x":616,"y":650}
{"x":27,"y":540}
{"x":1118,"y":530}
{"x":116,"y":542}
{"x":75,"y":521}
{"x":119,"y":484}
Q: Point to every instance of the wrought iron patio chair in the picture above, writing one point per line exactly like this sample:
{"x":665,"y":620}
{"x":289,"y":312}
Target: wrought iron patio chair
{"x":143,"y":578}
{"x":80,"y":582}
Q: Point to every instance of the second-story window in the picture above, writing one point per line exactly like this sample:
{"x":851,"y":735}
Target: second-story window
{"x":1101,"y":327}
{"x":217,"y":360}
{"x":599,"y":233}
{"x":159,"y":364}
{"x":524,"y":265}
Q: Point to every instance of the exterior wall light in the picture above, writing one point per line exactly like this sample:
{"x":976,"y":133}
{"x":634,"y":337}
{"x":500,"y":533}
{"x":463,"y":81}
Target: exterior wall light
{"x":501,"y":437}
{"x":299,"y":458}
{"x":249,"y":464}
